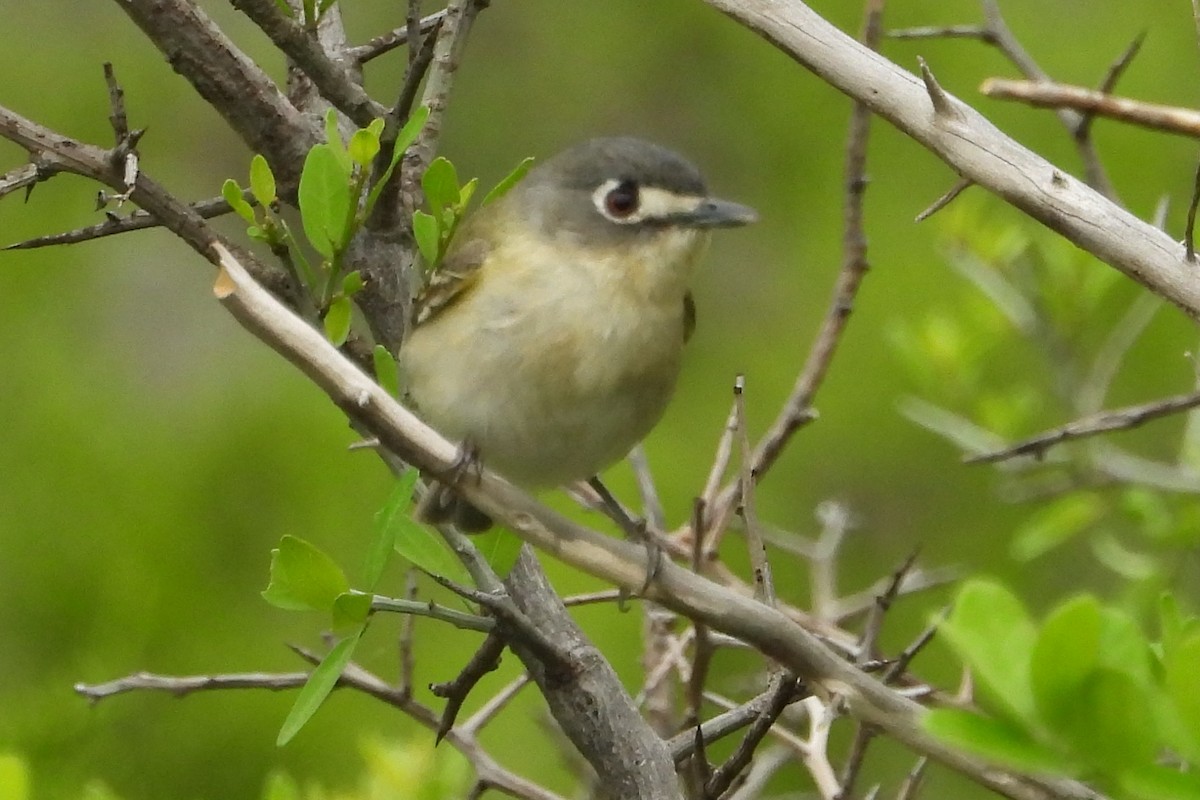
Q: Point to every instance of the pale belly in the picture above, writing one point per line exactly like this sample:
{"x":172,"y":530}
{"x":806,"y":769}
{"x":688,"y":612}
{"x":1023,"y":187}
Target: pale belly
{"x":545,"y":400}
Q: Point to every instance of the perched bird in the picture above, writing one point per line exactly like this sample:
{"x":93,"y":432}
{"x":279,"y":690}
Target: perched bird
{"x":550,"y":339}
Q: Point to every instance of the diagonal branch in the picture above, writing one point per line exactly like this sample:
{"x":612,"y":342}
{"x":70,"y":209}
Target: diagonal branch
{"x":1171,"y":119}
{"x":330,"y":78}
{"x":230,"y":81}
{"x":1103,"y":422}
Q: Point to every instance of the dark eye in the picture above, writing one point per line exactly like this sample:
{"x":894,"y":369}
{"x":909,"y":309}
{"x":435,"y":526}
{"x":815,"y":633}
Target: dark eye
{"x":622,"y":199}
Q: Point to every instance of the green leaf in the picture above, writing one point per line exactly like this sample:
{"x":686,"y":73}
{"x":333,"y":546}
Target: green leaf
{"x":364,"y":146}
{"x":1056,"y":524}
{"x":333,"y":138}
{"x":232,"y":193}
{"x":426,"y":549}
{"x":386,"y":373}
{"x":14,"y":778}
{"x":284,"y":8}
{"x":397,"y":504}
{"x":1160,"y":783}
{"x":350,"y":612}
{"x":1124,"y":648}
{"x":466,"y":193}
{"x":428,"y":235}
{"x":325,"y":202}
{"x":404,"y":139}
{"x":337,"y":321}
{"x":510,"y":180}
{"x":320,"y":684}
{"x":262,"y":181}
{"x":352,"y":283}
{"x":993,"y":635}
{"x":994,"y":740}
{"x":500,"y":547}
{"x":257,"y":234}
{"x":303,"y":578}
{"x":440,"y":183}
{"x":1065,"y":654}
{"x":281,"y":786}
{"x":1183,"y":689}
{"x":1110,"y":724}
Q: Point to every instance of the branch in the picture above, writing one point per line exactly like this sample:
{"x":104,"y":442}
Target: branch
{"x":1171,"y":119}
{"x":230,"y":81}
{"x":1104,"y":422}
{"x":769,"y":630}
{"x":976,"y":149}
{"x":305,"y":51}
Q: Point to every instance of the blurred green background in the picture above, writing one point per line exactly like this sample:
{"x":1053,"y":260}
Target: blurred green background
{"x":152,"y":453}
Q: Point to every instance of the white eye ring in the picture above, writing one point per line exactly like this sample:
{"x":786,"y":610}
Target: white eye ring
{"x":619,"y":201}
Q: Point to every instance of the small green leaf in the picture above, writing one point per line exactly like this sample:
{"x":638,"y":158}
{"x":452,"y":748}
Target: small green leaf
{"x":364,"y":146}
{"x":1065,"y":654}
{"x":1056,"y":524}
{"x":320,"y":684}
{"x":333,"y":138}
{"x":510,"y":180}
{"x":325,"y":202}
{"x":440,"y":183}
{"x":991,"y":632}
{"x":1183,"y":688}
{"x":281,"y":786}
{"x":14,"y":778}
{"x":284,"y":8}
{"x":257,"y":234}
{"x":352,"y":283}
{"x":262,"y":181}
{"x":466,"y":193}
{"x":397,"y":504}
{"x":404,"y":139}
{"x":1110,"y":724}
{"x":337,"y":321}
{"x":427,"y":550}
{"x":993,"y":739}
{"x":303,"y":578}
{"x":428,"y":235}
{"x":1160,"y":783}
{"x":232,"y":193}
{"x":386,"y":373}
{"x":350,"y":612}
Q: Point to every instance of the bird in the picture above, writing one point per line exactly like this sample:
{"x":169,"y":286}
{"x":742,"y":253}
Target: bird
{"x":550,"y":338}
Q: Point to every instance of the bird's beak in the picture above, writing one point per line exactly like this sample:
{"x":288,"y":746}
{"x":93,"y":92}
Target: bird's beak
{"x":712,"y":212}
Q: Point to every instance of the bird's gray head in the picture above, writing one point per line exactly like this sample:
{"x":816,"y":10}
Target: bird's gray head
{"x":622,"y":188}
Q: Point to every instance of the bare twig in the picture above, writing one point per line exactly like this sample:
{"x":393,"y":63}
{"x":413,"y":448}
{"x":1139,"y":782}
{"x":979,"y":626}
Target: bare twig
{"x":960,"y":186}
{"x":485,"y":659}
{"x":1103,"y":422}
{"x":187,"y":684}
{"x":387,"y":42}
{"x":1171,"y":119}
{"x":229,"y":80}
{"x":138,"y":220}
{"x":784,"y":691}
{"x":330,"y":78}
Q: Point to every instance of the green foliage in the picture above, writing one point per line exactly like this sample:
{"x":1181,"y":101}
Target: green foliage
{"x":412,"y":769}
{"x":1084,"y":694}
{"x":447,"y":204}
{"x":420,"y":545}
{"x":336,"y":195}
{"x":14,"y":778}
{"x":1018,"y":354}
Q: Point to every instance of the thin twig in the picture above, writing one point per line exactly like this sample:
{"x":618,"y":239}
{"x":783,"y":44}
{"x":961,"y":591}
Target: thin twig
{"x":652,"y":507}
{"x":1091,"y":425}
{"x":330,"y":77}
{"x":960,"y":186}
{"x":764,"y":585}
{"x":485,"y":659}
{"x":783,"y":692}
{"x":391,"y":40}
{"x":1189,"y":236}
{"x":1170,"y":119}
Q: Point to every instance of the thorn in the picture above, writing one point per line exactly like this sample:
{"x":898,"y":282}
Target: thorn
{"x":943,"y":105}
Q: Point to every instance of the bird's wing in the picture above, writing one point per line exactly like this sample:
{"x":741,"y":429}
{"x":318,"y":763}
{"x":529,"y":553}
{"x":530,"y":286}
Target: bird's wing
{"x":451,"y":281}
